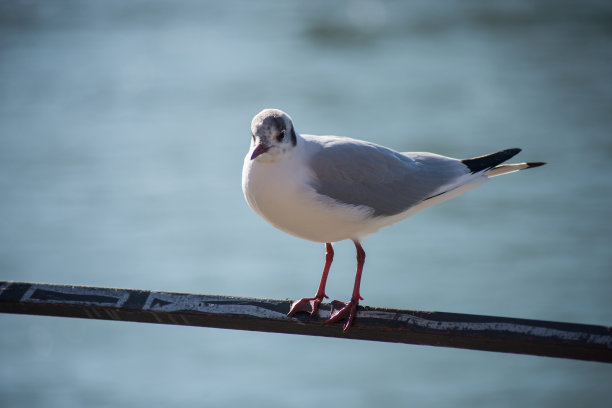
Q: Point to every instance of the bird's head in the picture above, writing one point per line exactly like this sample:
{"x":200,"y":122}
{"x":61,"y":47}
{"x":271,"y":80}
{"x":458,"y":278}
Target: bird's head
{"x":272,"y":135}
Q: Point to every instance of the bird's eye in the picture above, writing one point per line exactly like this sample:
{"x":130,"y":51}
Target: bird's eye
{"x":281,"y":136}
{"x":252,"y":137}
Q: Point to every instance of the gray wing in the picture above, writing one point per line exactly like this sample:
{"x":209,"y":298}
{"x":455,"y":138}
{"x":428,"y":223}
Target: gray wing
{"x":361,"y":173}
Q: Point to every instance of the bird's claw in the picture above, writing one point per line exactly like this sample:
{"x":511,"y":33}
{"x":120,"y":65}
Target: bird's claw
{"x":340,"y":310}
{"x":308,"y":305}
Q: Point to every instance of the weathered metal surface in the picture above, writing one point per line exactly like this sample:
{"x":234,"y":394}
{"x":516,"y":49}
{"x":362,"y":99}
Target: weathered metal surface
{"x":522,"y":336}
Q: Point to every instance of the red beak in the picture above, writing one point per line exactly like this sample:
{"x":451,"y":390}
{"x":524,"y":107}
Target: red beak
{"x":260,"y":149}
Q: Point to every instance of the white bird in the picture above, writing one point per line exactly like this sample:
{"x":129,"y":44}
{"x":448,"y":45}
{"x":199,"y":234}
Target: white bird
{"x":329,"y":188}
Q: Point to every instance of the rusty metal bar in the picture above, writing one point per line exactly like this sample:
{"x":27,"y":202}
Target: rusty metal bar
{"x":488,"y":333}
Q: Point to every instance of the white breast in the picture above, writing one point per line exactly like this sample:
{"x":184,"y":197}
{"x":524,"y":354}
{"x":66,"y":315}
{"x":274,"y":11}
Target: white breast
{"x":281,"y":192}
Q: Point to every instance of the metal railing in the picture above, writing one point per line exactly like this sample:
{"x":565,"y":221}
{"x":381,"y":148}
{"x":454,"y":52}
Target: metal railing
{"x":467,"y":331}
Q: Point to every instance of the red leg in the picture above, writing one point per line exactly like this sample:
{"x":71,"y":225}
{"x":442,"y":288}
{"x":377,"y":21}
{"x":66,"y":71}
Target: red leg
{"x":349,"y":310}
{"x":311,"y":305}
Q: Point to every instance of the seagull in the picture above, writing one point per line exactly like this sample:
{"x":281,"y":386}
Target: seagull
{"x":329,"y":188}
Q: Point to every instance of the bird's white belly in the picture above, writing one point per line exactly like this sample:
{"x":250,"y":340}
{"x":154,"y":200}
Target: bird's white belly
{"x":284,"y":197}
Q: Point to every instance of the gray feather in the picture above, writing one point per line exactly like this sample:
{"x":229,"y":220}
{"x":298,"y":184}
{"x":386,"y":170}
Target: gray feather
{"x":361,"y":173}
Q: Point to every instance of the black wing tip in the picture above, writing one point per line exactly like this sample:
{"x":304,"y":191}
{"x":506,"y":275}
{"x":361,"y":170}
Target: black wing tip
{"x":513,"y":151}
{"x":489,"y":161}
{"x":534,"y":164}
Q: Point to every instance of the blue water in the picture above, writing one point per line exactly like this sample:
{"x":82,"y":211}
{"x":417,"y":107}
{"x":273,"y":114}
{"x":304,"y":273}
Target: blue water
{"x":123,"y":126}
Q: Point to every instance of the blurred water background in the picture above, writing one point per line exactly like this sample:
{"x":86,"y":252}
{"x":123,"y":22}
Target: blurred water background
{"x":123,"y":126}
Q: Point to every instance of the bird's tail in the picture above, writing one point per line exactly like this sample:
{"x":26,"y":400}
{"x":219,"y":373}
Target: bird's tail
{"x":491,"y":165}
{"x":509,"y":168}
